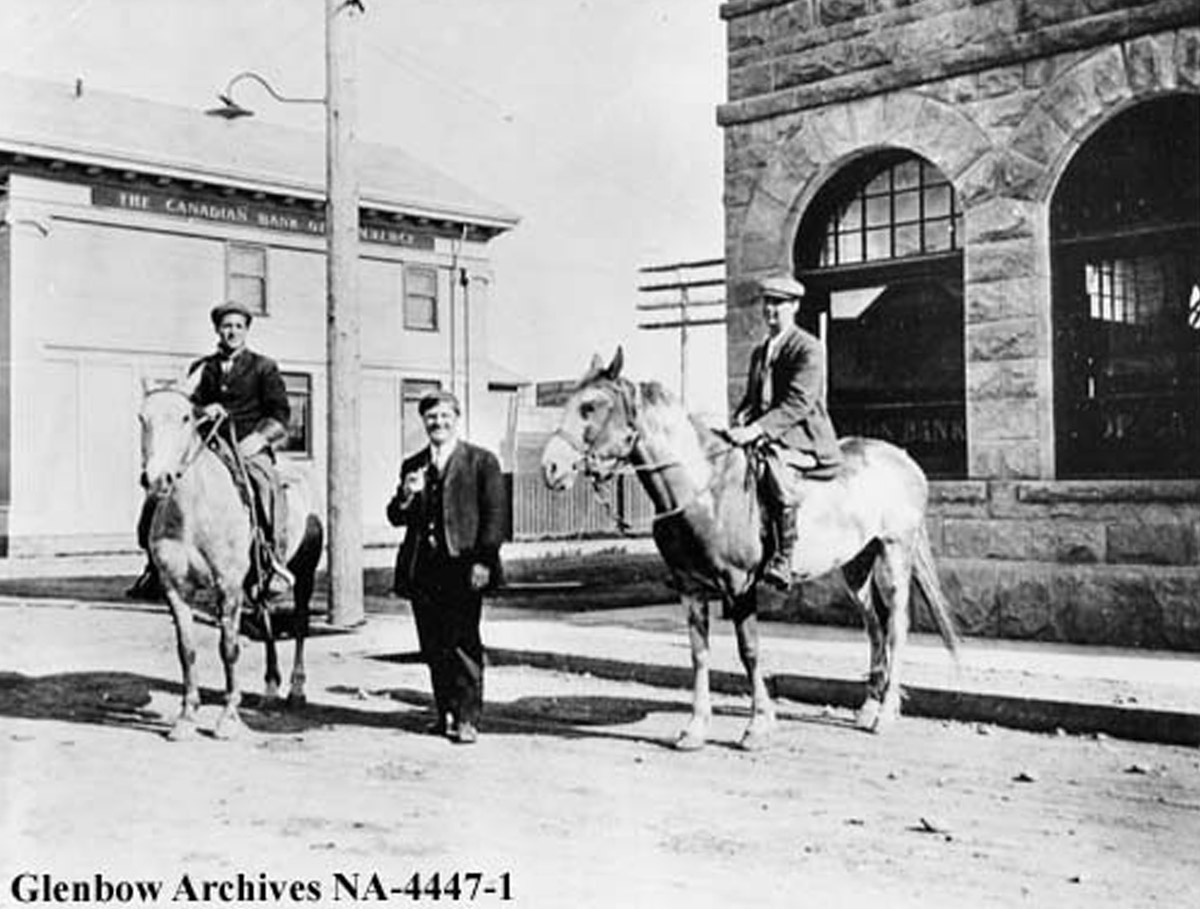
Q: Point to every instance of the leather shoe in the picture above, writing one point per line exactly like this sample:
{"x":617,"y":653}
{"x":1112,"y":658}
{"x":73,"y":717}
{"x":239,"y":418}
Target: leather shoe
{"x":466,"y":734}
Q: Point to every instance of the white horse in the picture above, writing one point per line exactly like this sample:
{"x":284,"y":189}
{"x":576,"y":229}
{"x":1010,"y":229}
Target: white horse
{"x":201,"y":536}
{"x":868,"y":523}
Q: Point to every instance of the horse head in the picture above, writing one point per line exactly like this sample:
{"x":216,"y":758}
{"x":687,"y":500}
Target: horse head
{"x":596,"y":432}
{"x":169,"y":435}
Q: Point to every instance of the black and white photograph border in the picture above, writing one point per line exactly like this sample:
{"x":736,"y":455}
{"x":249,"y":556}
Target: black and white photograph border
{"x":798,"y":398}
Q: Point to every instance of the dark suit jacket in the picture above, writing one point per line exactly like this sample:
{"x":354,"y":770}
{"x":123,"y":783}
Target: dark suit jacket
{"x":796,"y":413}
{"x":253,"y":392}
{"x":472,"y":504}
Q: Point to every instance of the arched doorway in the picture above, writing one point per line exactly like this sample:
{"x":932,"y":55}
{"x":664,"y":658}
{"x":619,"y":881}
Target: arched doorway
{"x":1125,"y":258}
{"x":880,"y":252}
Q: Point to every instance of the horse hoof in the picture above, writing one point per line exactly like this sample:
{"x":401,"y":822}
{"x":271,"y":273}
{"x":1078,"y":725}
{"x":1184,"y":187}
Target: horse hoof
{"x":869,"y":715}
{"x":689,"y":741}
{"x":229,"y":727}
{"x":182,"y":731}
{"x":296,"y":701}
{"x":757,"y":735}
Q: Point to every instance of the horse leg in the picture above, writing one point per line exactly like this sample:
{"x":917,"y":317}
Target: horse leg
{"x":185,"y":725}
{"x":303,"y":591}
{"x":695,"y":734}
{"x":868,"y":599}
{"x":762,"y":710}
{"x":271,"y":676}
{"x":229,"y":723}
{"x":893,"y":576}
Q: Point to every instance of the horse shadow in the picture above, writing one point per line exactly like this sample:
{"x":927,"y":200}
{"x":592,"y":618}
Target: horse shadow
{"x":124,"y":700}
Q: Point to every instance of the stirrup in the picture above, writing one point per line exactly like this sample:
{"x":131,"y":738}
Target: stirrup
{"x":778,"y":573}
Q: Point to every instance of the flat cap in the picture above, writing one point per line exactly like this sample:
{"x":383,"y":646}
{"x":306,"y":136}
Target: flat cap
{"x":221,"y":310}
{"x":781,"y":286}
{"x":434,"y":398}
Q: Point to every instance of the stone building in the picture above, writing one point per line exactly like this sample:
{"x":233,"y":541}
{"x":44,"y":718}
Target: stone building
{"x":996,"y":209}
{"x":125,"y":221}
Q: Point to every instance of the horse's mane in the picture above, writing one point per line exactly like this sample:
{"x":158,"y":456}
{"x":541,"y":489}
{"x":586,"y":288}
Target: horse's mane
{"x":655,"y":394}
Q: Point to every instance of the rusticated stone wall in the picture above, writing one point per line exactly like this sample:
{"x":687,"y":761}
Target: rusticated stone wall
{"x":999,"y":96}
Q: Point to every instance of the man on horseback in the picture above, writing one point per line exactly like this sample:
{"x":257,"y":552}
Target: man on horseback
{"x":784,"y":411}
{"x":246,"y":388}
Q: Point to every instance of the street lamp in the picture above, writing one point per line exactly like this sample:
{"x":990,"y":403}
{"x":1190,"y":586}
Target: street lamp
{"x":231,"y":110}
{"x":343,"y":485}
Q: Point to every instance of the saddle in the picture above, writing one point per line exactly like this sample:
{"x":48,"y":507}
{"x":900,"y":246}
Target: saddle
{"x":783,"y":472}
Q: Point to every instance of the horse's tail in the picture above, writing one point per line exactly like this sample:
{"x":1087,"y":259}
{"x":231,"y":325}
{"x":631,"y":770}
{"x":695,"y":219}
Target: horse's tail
{"x":931,"y":586}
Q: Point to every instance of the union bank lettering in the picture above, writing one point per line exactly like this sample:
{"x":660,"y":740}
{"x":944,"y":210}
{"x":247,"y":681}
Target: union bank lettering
{"x":248,"y":214}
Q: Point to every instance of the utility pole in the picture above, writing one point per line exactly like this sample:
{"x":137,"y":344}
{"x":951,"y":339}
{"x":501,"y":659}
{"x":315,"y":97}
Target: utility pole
{"x":683,"y":285}
{"x":342,"y":318}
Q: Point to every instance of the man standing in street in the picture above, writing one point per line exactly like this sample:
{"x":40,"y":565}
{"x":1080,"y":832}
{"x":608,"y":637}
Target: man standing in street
{"x":451,"y":502}
{"x":784,"y":410}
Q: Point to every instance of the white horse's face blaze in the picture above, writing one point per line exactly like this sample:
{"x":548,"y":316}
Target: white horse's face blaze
{"x":168,"y":427}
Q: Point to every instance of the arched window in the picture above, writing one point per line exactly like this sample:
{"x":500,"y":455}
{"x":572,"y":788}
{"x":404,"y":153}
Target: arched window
{"x":1125,"y":235}
{"x":879,"y":250}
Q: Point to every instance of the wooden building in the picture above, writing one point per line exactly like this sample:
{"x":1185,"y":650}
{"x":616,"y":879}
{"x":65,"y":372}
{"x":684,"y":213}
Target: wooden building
{"x":125,"y":221}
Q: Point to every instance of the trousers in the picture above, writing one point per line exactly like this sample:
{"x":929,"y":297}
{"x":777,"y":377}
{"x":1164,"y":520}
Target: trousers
{"x":447,"y":612}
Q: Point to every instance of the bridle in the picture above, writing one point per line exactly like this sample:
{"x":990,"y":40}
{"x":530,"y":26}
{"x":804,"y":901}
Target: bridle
{"x":626,"y":393}
{"x":197,"y":444}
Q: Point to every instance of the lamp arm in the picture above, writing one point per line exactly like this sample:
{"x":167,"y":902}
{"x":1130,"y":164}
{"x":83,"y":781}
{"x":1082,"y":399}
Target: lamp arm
{"x":250,"y":74}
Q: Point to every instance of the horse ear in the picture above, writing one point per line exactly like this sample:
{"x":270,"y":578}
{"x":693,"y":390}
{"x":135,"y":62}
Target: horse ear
{"x":618,"y":360}
{"x":594,"y":370}
{"x":190,"y":382}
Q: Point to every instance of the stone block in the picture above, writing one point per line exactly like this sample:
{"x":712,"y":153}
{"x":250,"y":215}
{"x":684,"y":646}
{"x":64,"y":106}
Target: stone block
{"x":1003,"y":418}
{"x":1002,"y":379}
{"x":1005,"y":460}
{"x":1152,"y":544}
{"x":1060,"y":542}
{"x":1110,"y":79}
{"x":833,"y":12}
{"x":1178,"y":599}
{"x":1013,"y":339}
{"x":1039,"y":138}
{"x":1187,"y":57}
{"x":747,"y":81}
{"x":970,"y":587}
{"x":998,"y":300}
{"x":1000,"y":219}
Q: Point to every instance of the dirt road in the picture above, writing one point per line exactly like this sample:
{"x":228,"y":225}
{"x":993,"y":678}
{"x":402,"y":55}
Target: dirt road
{"x":571,"y":799}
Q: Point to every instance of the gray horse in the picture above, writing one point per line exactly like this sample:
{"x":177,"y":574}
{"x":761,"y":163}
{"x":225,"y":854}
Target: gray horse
{"x":201,"y":537}
{"x":867,"y":523}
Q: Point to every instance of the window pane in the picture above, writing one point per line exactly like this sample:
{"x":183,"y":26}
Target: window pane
{"x":247,"y":260}
{"x":908,"y":240}
{"x":938,"y":237}
{"x":879,"y":211}
{"x":908,"y":207}
{"x":880,"y":184}
{"x":420,"y":299}
{"x":879,"y":244}
{"x":937,"y":201}
{"x":849,"y":249}
{"x":299,"y":394}
{"x":907,"y":175}
{"x":250,"y":291}
{"x":850,"y":217}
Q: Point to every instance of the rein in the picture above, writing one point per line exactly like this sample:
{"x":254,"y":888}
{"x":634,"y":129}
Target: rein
{"x":194,"y":448}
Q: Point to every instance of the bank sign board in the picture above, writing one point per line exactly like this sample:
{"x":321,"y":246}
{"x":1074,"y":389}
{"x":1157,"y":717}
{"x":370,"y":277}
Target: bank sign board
{"x":247,"y":214}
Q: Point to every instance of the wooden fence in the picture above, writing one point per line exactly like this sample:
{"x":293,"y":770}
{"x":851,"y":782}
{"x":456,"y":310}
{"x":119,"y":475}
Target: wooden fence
{"x":539,"y":513}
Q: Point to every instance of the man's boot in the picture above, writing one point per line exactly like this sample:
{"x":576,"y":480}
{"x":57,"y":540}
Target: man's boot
{"x":778,"y":570}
